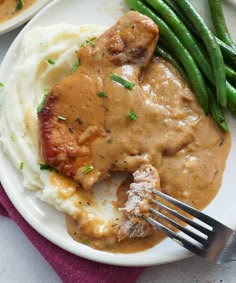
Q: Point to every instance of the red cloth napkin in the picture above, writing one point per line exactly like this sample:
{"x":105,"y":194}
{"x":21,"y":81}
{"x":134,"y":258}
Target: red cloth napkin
{"x":70,"y":268}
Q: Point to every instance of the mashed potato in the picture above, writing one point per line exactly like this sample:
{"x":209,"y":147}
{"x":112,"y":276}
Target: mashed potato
{"x":31,"y":77}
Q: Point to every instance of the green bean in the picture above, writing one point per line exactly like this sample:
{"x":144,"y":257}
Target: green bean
{"x":217,"y":111}
{"x":182,"y":54}
{"x":188,"y":40}
{"x":212,"y":47}
{"x":231,"y":98}
{"x":183,"y":34}
{"x":230,"y":73}
{"x":219,"y":22}
{"x":178,"y":12}
{"x":227,"y":51}
{"x":160,"y":50}
{"x":230,"y":90}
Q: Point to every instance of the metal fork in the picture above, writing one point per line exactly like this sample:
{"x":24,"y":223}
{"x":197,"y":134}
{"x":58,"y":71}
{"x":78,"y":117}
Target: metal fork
{"x":211,"y":239}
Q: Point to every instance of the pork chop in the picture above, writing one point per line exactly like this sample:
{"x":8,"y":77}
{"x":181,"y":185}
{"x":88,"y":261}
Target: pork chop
{"x":77,"y":136}
{"x":133,"y":223}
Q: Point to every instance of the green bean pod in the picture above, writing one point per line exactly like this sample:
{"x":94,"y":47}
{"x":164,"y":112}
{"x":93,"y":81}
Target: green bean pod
{"x":217,"y":112}
{"x":231,"y":98}
{"x":180,"y":51}
{"x":212,"y":47}
{"x":228,"y":52}
{"x":187,"y":39}
{"x":219,"y":22}
{"x":230,"y":73}
{"x":183,"y":34}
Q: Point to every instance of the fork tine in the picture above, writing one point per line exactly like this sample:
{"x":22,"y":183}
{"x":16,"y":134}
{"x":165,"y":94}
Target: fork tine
{"x":180,"y":227}
{"x":194,"y":212}
{"x":177,"y":238}
{"x":183,"y":218}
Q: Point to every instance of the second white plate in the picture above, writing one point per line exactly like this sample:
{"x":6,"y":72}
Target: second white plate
{"x":23,"y":17}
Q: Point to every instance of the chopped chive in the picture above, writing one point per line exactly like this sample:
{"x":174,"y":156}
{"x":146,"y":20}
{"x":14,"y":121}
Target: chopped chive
{"x":85,"y":241}
{"x":61,"y":118}
{"x":51,"y":61}
{"x":75,"y":65}
{"x":1,"y":84}
{"x":40,"y":107}
{"x":102,"y":94}
{"x":46,"y":167}
{"x":19,"y":5}
{"x":46,"y":90}
{"x":87,"y":169}
{"x":21,"y":166}
{"x":131,"y":114}
{"x":89,"y":41}
{"x":123,"y":82}
{"x":13,"y":138}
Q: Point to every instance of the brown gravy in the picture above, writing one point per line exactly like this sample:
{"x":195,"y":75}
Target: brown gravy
{"x":188,"y":149}
{"x":8,"y":8}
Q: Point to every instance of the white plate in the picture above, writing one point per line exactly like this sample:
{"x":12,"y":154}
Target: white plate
{"x":51,"y":223}
{"x":22,"y":17}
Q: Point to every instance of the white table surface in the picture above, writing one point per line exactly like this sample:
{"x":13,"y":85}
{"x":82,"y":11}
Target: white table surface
{"x":20,"y":262}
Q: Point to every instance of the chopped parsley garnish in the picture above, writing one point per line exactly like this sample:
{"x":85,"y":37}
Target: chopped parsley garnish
{"x":75,"y":65}
{"x":1,"y":85}
{"x":123,"y":82}
{"x":19,"y":5}
{"x":102,"y":94}
{"x":46,"y":167}
{"x":13,"y":138}
{"x":89,"y":41}
{"x":87,"y":169}
{"x":85,"y":241}
{"x":131,"y":114}
{"x":61,"y":118}
{"x":21,"y":166}
{"x":40,"y":107}
{"x":51,"y":61}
